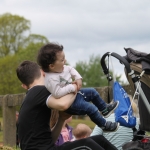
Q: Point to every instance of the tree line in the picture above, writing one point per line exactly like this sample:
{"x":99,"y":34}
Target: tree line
{"x":18,"y":44}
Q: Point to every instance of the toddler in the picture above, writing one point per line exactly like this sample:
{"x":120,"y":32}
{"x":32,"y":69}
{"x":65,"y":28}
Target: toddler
{"x":81,"y":131}
{"x":58,"y":81}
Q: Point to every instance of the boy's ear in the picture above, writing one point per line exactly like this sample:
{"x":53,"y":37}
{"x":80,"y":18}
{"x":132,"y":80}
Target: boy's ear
{"x":24,"y":86}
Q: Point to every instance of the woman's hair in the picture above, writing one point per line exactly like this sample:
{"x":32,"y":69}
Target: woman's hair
{"x":54,"y":118}
{"x":134,"y":106}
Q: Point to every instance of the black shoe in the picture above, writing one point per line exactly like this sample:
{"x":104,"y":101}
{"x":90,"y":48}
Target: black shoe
{"x":110,"y":126}
{"x":109,"y":109}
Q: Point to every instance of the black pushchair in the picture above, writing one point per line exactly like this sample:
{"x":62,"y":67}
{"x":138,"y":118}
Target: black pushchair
{"x":137,"y":70}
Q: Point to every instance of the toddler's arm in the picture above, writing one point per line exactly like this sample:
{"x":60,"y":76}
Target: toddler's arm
{"x":57,"y":91}
{"x":76,"y":76}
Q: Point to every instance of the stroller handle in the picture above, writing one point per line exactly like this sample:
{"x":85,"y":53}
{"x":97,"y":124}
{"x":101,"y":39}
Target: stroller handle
{"x":120,"y":58}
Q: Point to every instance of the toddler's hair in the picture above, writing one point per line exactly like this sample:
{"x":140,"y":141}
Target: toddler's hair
{"x":81,"y":131}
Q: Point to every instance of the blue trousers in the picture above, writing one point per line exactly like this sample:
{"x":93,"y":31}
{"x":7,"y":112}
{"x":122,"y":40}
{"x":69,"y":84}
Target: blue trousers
{"x":82,"y":105}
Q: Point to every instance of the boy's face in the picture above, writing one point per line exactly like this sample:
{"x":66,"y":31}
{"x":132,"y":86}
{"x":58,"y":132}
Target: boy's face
{"x":58,"y":66}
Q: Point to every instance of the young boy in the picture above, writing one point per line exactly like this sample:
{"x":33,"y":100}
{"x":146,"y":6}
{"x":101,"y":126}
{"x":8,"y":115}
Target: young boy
{"x":58,"y":80}
{"x":33,"y":123}
{"x":81,"y":131}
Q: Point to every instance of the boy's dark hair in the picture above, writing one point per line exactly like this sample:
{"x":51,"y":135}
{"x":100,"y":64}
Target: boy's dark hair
{"x":47,"y":55}
{"x":28,"y":71}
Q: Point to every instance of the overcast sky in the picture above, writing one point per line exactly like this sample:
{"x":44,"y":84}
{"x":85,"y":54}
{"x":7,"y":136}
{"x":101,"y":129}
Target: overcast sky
{"x":86,"y":27}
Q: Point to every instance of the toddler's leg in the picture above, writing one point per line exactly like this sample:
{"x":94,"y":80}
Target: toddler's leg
{"x":90,"y":94}
{"x":110,"y":109}
{"x":107,"y":126}
{"x":82,"y":107}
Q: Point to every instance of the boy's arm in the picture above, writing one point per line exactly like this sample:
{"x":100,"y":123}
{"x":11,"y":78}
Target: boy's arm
{"x":74,"y":73}
{"x":62,"y":103}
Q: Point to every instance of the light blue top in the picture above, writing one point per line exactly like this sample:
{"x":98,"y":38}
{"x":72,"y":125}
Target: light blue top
{"x":118,"y":138}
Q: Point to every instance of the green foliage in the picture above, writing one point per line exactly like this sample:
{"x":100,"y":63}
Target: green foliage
{"x":9,"y":82}
{"x":16,"y":47}
{"x":30,"y":51}
{"x":92,"y":72}
{"x":88,"y":122}
{"x":12,"y":33}
{"x":35,"y":38}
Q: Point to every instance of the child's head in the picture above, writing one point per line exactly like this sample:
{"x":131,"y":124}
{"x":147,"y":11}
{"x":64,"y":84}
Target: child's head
{"x":51,"y":57}
{"x":81,"y":131}
{"x":27,"y":72}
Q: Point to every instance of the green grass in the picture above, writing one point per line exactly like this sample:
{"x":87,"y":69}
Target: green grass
{"x":86,"y":121}
{"x":148,"y":133}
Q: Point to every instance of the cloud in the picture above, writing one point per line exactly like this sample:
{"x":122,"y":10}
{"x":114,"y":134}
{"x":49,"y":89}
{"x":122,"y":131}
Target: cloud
{"x":89,"y":26}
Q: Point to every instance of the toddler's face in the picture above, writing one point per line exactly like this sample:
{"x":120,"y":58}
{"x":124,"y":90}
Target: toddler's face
{"x":58,"y":66}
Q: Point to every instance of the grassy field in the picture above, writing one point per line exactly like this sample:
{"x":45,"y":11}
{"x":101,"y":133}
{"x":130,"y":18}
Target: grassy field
{"x":86,"y":121}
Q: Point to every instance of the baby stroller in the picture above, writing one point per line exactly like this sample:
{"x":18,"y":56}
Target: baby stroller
{"x":137,"y":70}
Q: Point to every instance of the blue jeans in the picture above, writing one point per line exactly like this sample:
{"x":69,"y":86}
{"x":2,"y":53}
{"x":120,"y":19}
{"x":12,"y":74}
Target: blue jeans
{"x":82,"y":105}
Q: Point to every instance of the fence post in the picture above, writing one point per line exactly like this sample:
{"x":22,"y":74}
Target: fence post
{"x":9,"y":123}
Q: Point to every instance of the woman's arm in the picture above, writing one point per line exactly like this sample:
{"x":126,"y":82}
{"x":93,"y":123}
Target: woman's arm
{"x":57,"y":129}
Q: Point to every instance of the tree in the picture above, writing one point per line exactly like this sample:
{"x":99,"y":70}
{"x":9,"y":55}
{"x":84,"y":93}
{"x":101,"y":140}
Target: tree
{"x":16,"y":45}
{"x":12,"y":33}
{"x":92,"y":72}
{"x":35,"y":38}
{"x":9,"y":83}
{"x":32,"y":44}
